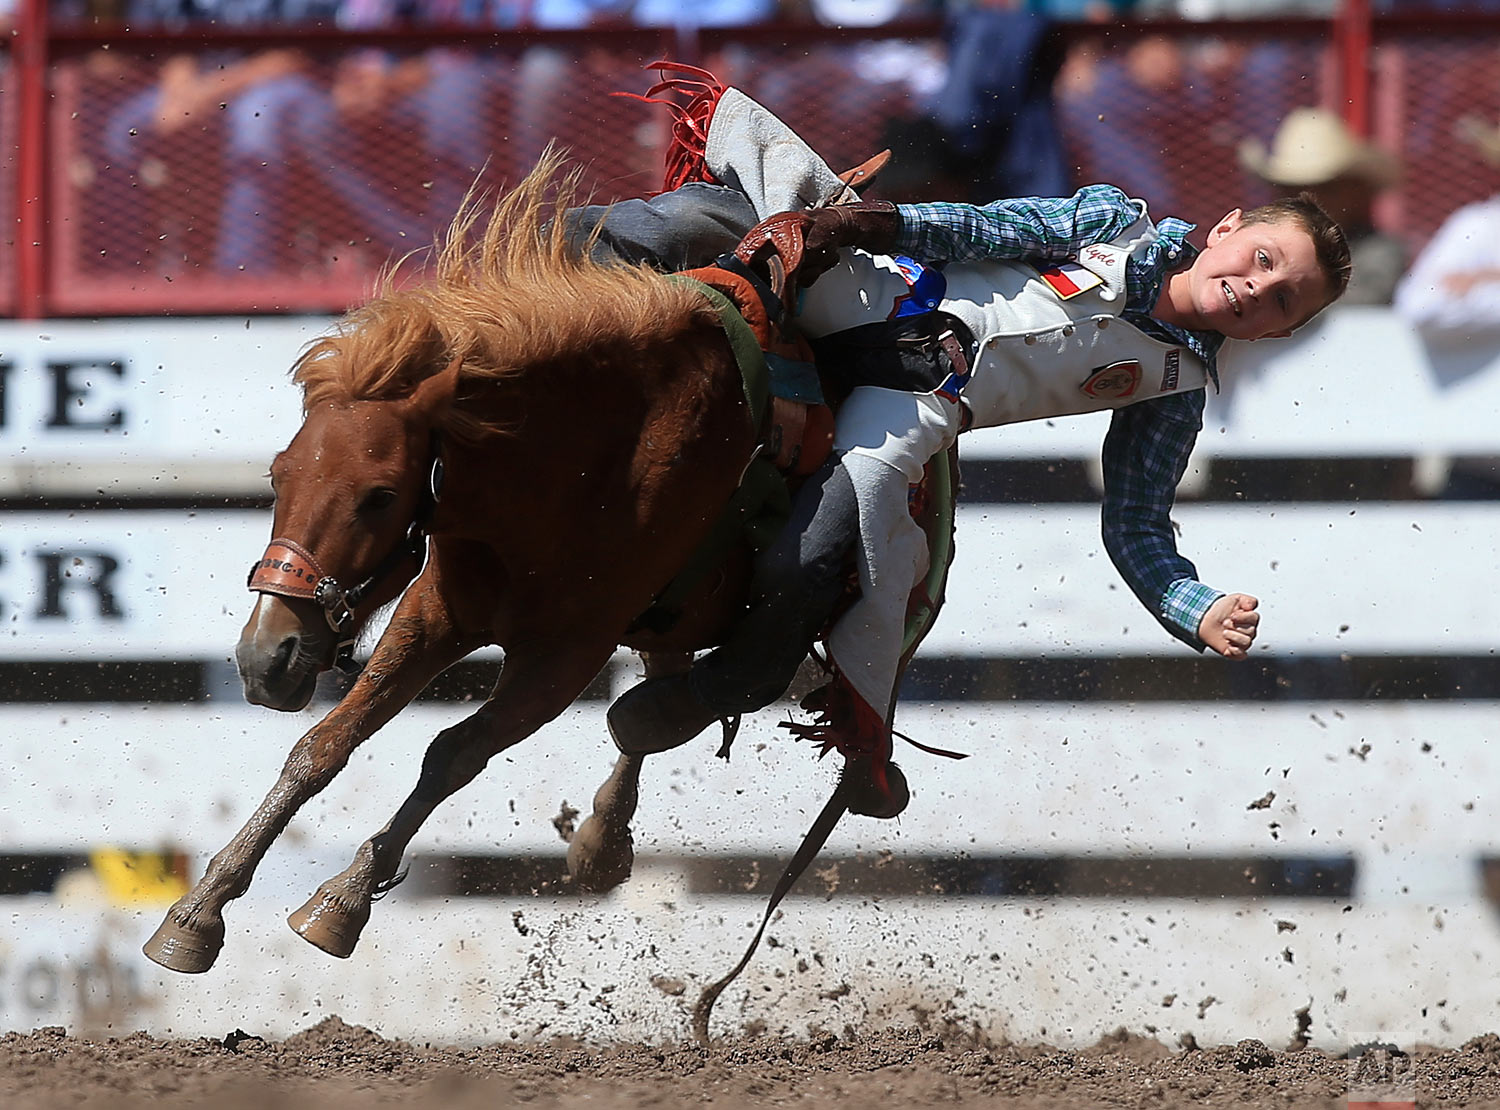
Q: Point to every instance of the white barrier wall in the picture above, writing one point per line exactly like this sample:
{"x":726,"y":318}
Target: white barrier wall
{"x":192,"y":410}
{"x":1358,"y":383}
{"x":1417,"y":807}
{"x":146,"y":407}
{"x":200,"y":406}
{"x":1408,"y":951}
{"x":1028,"y":580}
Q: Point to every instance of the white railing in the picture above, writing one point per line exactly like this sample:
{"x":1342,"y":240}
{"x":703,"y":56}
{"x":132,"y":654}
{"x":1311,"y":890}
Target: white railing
{"x":1404,"y":789}
{"x":1027,"y":580}
{"x":200,"y":406}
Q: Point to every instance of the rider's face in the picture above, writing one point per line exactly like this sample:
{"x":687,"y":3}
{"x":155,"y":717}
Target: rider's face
{"x":1255,"y":280}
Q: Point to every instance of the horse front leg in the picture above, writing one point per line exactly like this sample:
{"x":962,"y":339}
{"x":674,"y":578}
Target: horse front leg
{"x":532,"y":690}
{"x":419,"y":643}
{"x":602,"y":851}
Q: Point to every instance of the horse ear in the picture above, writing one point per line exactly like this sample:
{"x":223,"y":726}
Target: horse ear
{"x":434,"y":397}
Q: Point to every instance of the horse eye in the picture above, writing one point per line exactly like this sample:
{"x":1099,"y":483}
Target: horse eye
{"x":377,"y":499}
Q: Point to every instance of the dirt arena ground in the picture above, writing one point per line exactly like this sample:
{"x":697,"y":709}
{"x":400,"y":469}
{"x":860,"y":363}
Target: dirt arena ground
{"x":341,"y":1067}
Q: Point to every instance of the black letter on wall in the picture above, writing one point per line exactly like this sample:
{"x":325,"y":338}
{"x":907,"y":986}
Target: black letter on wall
{"x":68,"y":391}
{"x":63,"y":568}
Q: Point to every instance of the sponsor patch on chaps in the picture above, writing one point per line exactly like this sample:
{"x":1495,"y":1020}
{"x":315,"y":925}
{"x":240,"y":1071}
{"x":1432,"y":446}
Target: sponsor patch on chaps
{"x":1170,"y":370}
{"x":1115,"y":381}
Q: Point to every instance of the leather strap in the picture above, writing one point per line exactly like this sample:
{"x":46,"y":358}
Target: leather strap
{"x":958,"y":358}
{"x":862,"y":176}
{"x":865,"y":172}
{"x":287,"y":569}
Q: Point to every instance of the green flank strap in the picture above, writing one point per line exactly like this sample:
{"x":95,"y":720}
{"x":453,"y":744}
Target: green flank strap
{"x":746,"y":347}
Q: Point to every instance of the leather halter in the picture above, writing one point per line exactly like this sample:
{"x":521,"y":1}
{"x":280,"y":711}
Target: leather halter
{"x":288,"y":569}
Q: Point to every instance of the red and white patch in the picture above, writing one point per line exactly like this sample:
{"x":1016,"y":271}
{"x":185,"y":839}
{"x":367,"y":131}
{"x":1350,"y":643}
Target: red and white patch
{"x":1115,"y":381}
{"x":1068,"y":279}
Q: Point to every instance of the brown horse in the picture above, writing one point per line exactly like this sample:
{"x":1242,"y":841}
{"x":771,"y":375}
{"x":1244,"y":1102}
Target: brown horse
{"x":557,"y":437}
{"x":589,"y":424}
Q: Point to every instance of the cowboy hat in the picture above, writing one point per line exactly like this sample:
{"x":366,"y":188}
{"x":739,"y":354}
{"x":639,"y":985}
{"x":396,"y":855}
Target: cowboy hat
{"x":1312,"y":147}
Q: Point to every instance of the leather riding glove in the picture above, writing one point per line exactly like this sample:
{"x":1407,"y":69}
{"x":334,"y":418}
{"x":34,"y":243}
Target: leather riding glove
{"x":808,"y":242}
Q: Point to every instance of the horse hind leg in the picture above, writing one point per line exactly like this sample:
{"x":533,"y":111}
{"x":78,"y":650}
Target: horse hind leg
{"x":602,"y":851}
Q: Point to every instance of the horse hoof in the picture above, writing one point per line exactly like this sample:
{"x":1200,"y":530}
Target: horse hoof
{"x":326,"y":922}
{"x":868,"y":799}
{"x":600,"y":856}
{"x":178,"y":948}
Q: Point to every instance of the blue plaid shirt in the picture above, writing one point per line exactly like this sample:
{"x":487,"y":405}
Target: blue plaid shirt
{"x":1147,"y":448}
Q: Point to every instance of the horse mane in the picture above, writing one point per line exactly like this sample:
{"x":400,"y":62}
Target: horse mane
{"x":517,"y":292}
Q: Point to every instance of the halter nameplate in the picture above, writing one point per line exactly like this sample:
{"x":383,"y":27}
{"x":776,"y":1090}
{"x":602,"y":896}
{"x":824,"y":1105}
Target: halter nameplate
{"x":285,"y":569}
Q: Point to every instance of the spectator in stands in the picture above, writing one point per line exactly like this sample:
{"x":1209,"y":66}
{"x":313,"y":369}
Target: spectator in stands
{"x":995,"y":111}
{"x":379,"y":101}
{"x":162,"y":146}
{"x":273,"y":127}
{"x":1452,"y":292}
{"x":1135,"y":118}
{"x":547,"y":77}
{"x":1315,"y":151}
{"x":201,"y":109}
{"x":983,"y":121}
{"x":692,"y":14}
{"x":861,"y":13}
{"x":228,"y":13}
{"x":1452,"y":295}
{"x":648,"y":13}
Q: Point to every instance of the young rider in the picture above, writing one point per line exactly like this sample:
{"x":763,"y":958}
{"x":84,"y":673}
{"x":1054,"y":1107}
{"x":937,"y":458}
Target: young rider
{"x":1051,"y":306}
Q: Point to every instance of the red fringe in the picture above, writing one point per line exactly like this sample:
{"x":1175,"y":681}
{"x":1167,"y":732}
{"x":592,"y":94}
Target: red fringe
{"x":843,"y":722}
{"x":685,"y":159}
{"x":846,"y":723}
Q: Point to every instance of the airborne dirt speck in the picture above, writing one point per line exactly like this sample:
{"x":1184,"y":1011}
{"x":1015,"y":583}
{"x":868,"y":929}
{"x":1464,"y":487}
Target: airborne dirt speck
{"x":564,"y":822}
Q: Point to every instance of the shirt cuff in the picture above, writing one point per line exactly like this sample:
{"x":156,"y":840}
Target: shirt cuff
{"x":1185,"y":604}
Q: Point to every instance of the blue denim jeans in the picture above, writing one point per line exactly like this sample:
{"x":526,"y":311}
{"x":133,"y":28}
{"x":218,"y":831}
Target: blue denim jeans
{"x":681,"y":230}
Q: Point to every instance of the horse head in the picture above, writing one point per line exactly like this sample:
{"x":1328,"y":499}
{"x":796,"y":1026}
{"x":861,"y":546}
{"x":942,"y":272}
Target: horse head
{"x":355,"y":491}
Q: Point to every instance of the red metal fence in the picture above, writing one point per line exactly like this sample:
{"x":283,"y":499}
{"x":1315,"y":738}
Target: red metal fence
{"x":9,"y":166}
{"x":306,"y":160}
{"x":1426,"y":80}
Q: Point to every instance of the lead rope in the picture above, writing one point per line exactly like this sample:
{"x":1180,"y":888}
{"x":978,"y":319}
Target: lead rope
{"x":812,"y":843}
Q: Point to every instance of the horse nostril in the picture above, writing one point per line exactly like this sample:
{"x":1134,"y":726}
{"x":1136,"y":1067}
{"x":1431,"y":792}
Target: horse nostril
{"x":286,"y":651}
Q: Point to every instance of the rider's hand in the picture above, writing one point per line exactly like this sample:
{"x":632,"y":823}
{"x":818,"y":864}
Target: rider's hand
{"x":808,"y":242}
{"x":1230,"y":625}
